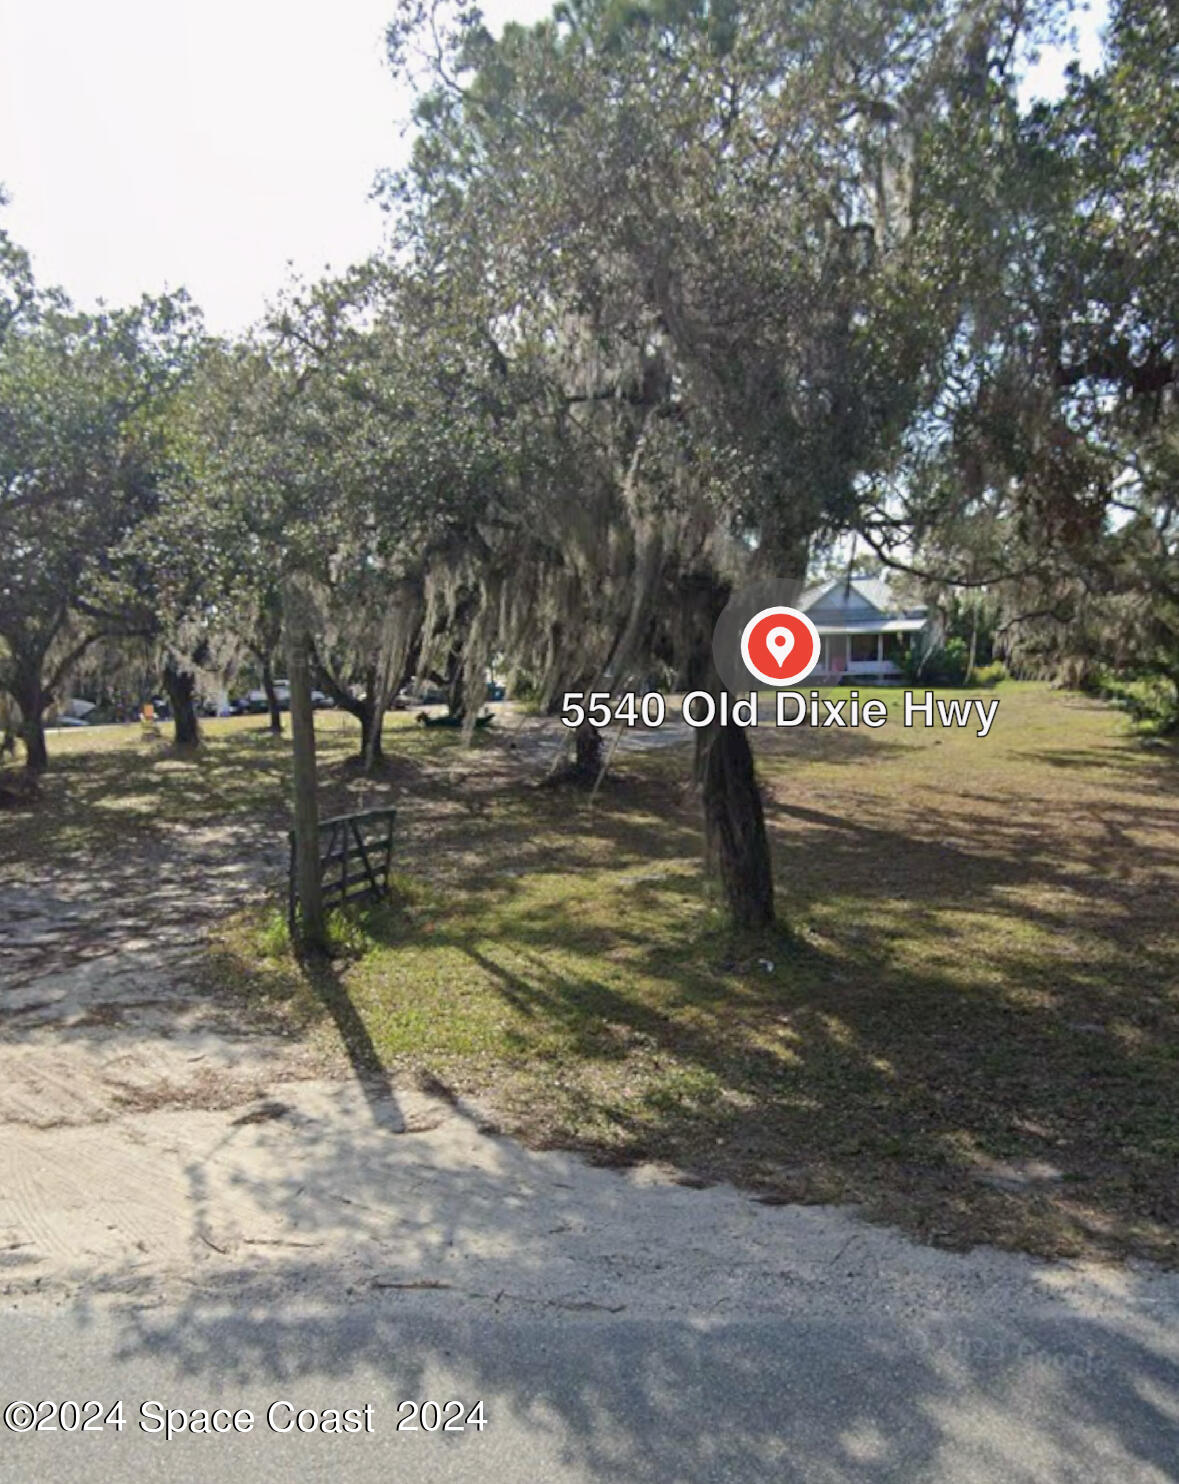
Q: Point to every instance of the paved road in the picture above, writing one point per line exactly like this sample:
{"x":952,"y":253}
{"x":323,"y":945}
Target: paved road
{"x":601,"y":1397}
{"x":337,"y":1246}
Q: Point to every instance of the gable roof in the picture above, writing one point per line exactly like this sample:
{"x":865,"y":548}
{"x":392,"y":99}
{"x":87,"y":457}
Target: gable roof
{"x":873,"y":590}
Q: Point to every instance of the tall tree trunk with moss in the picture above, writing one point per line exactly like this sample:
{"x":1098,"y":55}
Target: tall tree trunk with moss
{"x":372,"y":721}
{"x":456,"y":690}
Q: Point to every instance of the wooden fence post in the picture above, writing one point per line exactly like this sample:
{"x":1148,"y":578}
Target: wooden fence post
{"x":312,"y":924}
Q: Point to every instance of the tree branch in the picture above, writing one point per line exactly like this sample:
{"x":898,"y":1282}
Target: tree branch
{"x":945,"y":579}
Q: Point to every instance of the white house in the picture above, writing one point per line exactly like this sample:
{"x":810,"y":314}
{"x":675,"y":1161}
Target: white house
{"x":865,"y":630}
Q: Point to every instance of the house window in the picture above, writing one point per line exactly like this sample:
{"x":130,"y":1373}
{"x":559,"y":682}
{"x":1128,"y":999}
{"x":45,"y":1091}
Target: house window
{"x":863,"y":647}
{"x":896,"y":647}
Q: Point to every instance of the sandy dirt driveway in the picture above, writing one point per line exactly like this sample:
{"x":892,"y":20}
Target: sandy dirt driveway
{"x":147,"y":1127}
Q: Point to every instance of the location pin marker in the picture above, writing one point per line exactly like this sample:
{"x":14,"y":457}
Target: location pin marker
{"x":780,"y":642}
{"x":779,"y":646}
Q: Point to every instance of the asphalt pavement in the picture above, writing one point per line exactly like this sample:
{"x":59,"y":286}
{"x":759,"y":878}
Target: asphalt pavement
{"x":586,"y":1396}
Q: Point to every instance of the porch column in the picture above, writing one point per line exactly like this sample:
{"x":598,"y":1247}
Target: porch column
{"x":879,"y":653}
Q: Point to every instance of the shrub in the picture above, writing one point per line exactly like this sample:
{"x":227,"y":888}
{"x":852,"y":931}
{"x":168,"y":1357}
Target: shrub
{"x":944,"y":666}
{"x":1151,"y":701}
{"x":947,"y":666}
{"x":274,"y":936}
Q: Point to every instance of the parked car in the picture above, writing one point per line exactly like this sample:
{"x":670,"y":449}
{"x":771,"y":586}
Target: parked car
{"x":423,"y":692}
{"x":256,"y":703}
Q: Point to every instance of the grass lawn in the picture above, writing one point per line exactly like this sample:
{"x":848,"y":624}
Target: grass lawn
{"x":968,"y":1024}
{"x":110,"y":788}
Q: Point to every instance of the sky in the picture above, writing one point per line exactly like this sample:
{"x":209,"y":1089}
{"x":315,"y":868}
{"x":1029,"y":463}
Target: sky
{"x":152,"y":144}
{"x":157,"y":143}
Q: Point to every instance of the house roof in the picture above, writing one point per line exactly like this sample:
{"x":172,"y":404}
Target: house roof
{"x":874,"y":590}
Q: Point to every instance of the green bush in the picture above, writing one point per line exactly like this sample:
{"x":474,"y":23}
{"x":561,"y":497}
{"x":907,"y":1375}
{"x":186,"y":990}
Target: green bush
{"x":944,"y":666}
{"x":947,"y":666}
{"x":1151,"y":700}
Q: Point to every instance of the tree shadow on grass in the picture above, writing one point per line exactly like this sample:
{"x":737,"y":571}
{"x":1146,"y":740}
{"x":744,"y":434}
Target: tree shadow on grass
{"x":323,"y":976}
{"x":970,"y":1033}
{"x":1158,"y":764}
{"x":137,"y":796}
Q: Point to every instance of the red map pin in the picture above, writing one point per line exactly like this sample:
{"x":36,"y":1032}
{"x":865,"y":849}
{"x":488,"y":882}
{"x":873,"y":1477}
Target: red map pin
{"x":780,"y":646}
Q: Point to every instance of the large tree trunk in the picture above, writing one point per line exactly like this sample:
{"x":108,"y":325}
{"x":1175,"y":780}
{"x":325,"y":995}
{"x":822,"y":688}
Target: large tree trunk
{"x":180,"y":686}
{"x":30,"y":696}
{"x":456,"y":697}
{"x":362,"y":710}
{"x":737,"y":846}
{"x":271,"y":695}
{"x":583,"y":768}
{"x":379,"y":692}
{"x":371,"y":727}
{"x":32,"y":734}
{"x":587,"y":762}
